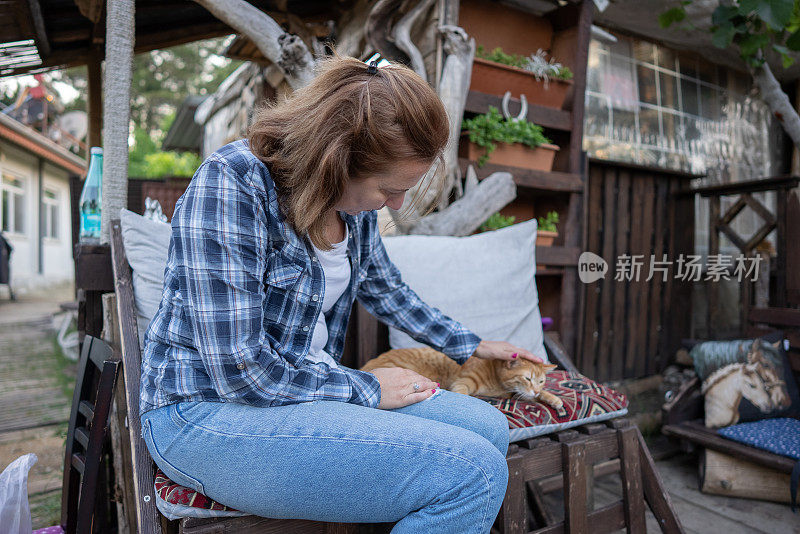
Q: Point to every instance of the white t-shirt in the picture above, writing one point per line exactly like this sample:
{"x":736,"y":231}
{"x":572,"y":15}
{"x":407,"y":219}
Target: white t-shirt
{"x":336,"y":266}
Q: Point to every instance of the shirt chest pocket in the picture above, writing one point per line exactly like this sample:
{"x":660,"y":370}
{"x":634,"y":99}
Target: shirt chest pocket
{"x":282,"y":272}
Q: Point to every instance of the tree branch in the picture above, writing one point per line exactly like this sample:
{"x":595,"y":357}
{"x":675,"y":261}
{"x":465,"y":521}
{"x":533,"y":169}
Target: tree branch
{"x":285,"y":50}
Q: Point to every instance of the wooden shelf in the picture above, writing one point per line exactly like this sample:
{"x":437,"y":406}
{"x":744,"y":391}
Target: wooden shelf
{"x":549,"y":271}
{"x":558,"y":256}
{"x":547,"y":117}
{"x":542,"y":180}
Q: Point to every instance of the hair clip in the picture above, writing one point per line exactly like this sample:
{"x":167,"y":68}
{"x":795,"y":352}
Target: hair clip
{"x":374,"y":62}
{"x":373,"y":67}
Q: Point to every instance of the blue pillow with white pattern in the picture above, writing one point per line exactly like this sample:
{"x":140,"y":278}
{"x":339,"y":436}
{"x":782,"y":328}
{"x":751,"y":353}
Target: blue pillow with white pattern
{"x":780,"y":435}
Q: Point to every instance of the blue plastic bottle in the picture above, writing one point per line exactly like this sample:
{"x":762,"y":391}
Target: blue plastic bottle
{"x":91,"y":198}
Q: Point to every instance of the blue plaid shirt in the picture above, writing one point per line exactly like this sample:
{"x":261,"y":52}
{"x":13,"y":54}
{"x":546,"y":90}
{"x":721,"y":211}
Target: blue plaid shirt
{"x":242,"y":293}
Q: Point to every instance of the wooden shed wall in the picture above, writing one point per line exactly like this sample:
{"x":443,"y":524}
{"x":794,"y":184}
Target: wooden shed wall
{"x":633,"y":328}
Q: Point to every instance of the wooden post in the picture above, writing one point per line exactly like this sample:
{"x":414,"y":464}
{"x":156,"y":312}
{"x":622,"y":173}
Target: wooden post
{"x":713,"y":248}
{"x":120,"y":446}
{"x":95,"y":96}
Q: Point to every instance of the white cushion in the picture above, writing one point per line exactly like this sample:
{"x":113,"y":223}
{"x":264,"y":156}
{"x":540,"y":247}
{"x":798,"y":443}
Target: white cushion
{"x":146,"y":244}
{"x":485,"y":281}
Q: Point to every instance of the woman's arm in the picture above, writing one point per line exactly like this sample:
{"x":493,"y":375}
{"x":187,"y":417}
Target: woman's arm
{"x":384,"y":294}
{"x":221,"y":242}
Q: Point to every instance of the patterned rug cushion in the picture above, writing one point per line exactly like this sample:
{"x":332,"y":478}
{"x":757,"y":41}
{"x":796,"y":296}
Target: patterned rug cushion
{"x":176,"y":501}
{"x":585,"y":401}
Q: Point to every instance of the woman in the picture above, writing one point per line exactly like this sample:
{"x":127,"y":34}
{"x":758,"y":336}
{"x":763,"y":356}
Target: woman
{"x":243,"y":397}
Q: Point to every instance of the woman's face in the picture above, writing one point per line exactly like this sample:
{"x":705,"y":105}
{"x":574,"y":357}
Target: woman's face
{"x":378,"y":190}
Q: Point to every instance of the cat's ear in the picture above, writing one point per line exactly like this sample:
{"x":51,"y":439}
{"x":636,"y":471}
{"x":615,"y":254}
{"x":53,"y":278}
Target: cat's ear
{"x":777,"y":344}
{"x":549,"y":366}
{"x":510,"y":364}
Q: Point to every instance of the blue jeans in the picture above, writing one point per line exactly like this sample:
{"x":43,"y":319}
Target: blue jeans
{"x":437,"y":465}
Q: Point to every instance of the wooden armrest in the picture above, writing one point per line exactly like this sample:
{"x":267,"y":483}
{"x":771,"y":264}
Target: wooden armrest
{"x":558,"y":353}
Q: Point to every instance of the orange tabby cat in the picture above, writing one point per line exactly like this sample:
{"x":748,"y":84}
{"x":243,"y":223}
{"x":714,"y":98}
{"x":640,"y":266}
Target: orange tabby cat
{"x":521,"y":378}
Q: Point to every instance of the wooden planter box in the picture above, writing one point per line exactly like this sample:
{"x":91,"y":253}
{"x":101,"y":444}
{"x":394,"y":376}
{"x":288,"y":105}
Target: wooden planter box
{"x":497,"y":78}
{"x":511,"y":154}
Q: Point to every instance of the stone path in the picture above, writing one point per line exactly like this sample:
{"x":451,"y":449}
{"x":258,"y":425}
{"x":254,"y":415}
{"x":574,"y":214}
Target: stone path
{"x":31,"y":390}
{"x":35,"y":398}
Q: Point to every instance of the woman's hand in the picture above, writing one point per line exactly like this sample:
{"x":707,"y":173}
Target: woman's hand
{"x":397,"y":387}
{"x":500,"y":350}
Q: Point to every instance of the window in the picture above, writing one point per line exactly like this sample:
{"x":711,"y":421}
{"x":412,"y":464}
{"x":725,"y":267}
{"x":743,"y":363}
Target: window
{"x":651,"y":105}
{"x":12,"y":206}
{"x":50,"y":213}
{"x":654,"y":106}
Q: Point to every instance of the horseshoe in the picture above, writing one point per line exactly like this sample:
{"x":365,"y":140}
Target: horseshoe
{"x":523,"y":112}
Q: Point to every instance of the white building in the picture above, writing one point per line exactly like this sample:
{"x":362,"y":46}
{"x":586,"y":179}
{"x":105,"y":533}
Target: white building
{"x":35,"y":215}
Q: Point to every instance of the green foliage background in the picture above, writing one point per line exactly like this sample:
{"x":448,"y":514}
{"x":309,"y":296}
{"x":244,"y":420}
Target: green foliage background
{"x":162,"y":79}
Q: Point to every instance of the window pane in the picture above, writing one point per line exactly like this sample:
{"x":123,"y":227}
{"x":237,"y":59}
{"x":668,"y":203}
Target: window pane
{"x":14,"y":182}
{"x":688,"y":67}
{"x":596,"y":68}
{"x":644,"y":51}
{"x":54,"y":222}
{"x":624,"y":126}
{"x":669,"y":123}
{"x":647,"y":85}
{"x":709,"y":104}
{"x":648,"y":126}
{"x":707,"y":72}
{"x":6,"y":211}
{"x":669,"y":90}
{"x":19,"y":214}
{"x":596,"y":120}
{"x":666,"y":58}
{"x":689,"y":95}
{"x":49,"y":194}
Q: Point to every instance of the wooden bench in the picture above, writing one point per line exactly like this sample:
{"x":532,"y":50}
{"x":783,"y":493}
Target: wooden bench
{"x":573,"y":456}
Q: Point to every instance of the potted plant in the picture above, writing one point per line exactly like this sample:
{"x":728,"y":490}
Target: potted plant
{"x":542,"y":81}
{"x":520,"y":143}
{"x":496,"y":221}
{"x":546,"y":230}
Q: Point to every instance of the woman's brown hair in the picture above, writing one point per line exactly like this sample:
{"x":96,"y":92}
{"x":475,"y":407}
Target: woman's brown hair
{"x":346,"y":124}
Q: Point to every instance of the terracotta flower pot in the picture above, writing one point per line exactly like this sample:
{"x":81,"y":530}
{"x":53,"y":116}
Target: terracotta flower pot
{"x":545,"y":238}
{"x":512,"y":154}
{"x":497,"y":78}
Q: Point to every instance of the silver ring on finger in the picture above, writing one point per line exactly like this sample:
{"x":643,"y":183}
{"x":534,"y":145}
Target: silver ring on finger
{"x":416,"y":386}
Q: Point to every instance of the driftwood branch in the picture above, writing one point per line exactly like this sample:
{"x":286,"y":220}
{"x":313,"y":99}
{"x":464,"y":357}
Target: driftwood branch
{"x":285,"y":50}
{"x":453,"y":90}
{"x":378,"y":30}
{"x":402,"y":37}
{"x":778,"y":102}
{"x":465,"y":215}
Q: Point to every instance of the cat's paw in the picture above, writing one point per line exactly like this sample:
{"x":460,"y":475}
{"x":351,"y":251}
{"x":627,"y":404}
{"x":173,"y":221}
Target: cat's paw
{"x":557,"y":404}
{"x":459,"y":388}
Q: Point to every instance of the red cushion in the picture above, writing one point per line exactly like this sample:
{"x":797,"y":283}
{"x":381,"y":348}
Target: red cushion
{"x":584,"y":401}
{"x":176,"y":494}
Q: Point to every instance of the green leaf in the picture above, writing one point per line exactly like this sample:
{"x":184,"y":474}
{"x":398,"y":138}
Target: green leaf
{"x":793,"y":42}
{"x":776,"y":13}
{"x":723,"y":14}
{"x":781,"y":49}
{"x":753,"y":43}
{"x":787,"y":61}
{"x":723,"y":36}
{"x":670,"y":16}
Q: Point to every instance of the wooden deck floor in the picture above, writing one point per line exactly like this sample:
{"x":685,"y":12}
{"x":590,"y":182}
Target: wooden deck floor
{"x":698,"y":512}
